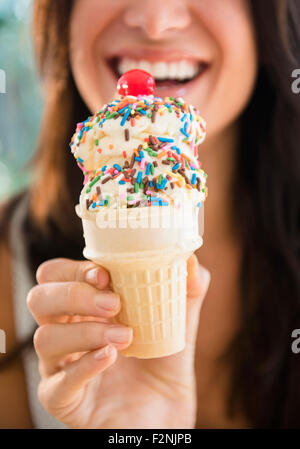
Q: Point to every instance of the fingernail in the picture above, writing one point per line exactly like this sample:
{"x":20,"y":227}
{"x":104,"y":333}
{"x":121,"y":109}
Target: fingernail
{"x":92,"y":276}
{"x":118,"y":334}
{"x":107,"y":301}
{"x":97,"y":276}
{"x":103,"y":353}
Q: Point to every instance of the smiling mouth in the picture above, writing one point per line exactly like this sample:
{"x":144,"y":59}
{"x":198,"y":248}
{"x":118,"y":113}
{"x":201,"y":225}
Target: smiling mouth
{"x":166,"y":74}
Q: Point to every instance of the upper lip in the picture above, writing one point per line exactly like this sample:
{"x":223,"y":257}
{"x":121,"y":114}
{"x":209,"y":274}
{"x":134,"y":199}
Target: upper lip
{"x":155,"y":55}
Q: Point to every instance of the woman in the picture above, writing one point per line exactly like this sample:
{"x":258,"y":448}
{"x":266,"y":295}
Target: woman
{"x":238,"y":369}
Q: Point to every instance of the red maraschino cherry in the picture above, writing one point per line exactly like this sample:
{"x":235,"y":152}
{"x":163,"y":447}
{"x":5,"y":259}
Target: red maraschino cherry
{"x":136,"y":82}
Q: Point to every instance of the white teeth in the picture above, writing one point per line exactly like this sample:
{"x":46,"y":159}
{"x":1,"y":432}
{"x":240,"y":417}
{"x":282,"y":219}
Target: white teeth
{"x":173,"y":69}
{"x":182,"y":70}
{"x":144,"y":65}
{"x":126,"y":64}
{"x":160,"y":70}
{"x":179,"y":70}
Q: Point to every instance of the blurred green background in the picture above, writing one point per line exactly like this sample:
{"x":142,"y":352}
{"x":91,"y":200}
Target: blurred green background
{"x":20,"y":106}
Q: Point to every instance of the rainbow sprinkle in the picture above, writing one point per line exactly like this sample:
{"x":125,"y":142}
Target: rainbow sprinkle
{"x":138,"y":173}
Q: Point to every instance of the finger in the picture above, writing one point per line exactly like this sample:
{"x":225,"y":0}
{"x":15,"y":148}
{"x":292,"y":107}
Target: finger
{"x":197,"y":285}
{"x":54,"y":299}
{"x":65,"y":270}
{"x":53,"y":341}
{"x":61,"y":393}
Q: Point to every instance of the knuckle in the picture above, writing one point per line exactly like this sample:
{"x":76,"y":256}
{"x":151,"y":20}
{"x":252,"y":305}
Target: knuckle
{"x":42,"y":272}
{"x":91,"y":333}
{"x":33,"y":297}
{"x":41,"y":336}
{"x":72,"y":294}
{"x":81,"y":269}
{"x":75,"y":292}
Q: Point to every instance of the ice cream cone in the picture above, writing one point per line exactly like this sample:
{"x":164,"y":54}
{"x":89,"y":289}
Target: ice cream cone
{"x":143,"y":191}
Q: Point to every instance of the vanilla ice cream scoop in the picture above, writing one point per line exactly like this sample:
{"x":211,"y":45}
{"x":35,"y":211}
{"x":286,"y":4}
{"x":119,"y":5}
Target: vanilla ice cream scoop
{"x":140,"y":151}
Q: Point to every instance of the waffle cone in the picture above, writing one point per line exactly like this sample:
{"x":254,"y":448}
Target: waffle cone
{"x":151,"y":284}
{"x":153,"y":297}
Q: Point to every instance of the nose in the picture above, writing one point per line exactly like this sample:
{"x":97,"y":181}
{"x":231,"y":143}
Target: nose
{"x":157,"y":17}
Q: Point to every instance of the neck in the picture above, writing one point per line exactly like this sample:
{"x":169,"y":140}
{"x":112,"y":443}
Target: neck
{"x":217,"y":155}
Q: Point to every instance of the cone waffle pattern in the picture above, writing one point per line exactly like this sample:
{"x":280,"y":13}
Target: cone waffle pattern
{"x":154,"y":305}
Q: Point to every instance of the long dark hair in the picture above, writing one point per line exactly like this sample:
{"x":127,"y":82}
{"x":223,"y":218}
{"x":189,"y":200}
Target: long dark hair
{"x":266,"y":193}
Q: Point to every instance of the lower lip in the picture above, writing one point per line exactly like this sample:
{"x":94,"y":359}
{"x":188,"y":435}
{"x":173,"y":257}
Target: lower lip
{"x":173,"y":88}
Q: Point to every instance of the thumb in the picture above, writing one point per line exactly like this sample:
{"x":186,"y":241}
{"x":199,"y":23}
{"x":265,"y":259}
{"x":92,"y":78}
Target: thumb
{"x":197,"y":285}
